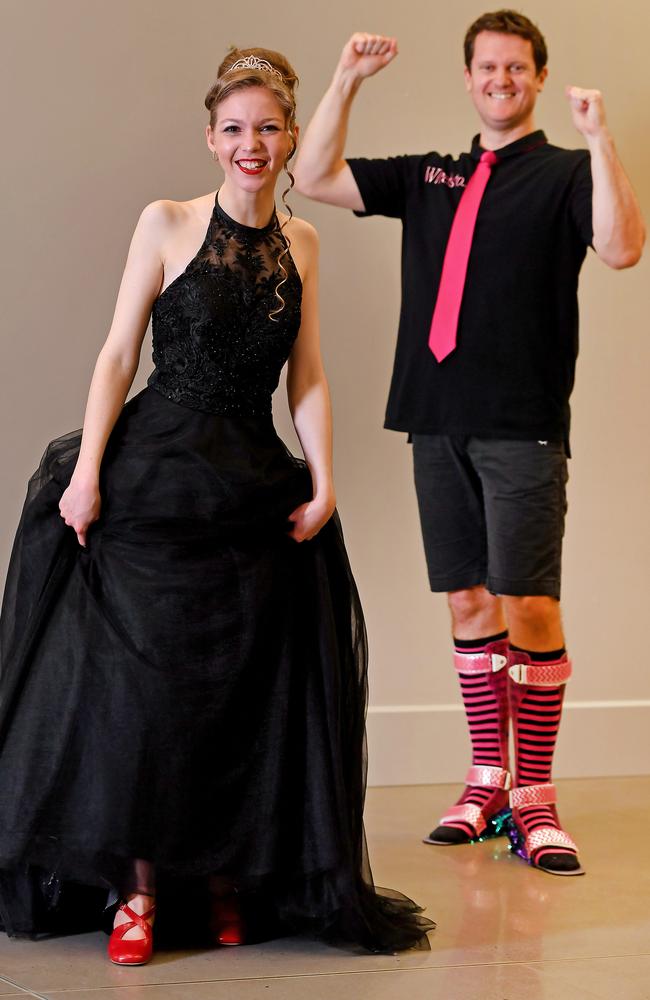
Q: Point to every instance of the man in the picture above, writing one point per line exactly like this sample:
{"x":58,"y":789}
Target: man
{"x":483,"y":372}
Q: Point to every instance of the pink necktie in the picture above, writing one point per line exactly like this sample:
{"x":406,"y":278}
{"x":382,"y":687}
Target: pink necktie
{"x":442,"y":338}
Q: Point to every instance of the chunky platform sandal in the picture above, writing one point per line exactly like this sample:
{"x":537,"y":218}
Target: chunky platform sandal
{"x":536,"y":692}
{"x":482,"y":809}
{"x":474,"y":823}
{"x":534,"y":842}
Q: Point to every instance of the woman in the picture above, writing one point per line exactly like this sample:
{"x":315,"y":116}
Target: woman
{"x":184,"y":660}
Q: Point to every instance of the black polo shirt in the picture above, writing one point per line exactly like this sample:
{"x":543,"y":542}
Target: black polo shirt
{"x":513,"y":369}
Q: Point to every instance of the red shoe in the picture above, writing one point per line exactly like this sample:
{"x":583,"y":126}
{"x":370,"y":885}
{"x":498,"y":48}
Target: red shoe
{"x":132,"y":952}
{"x":227,"y":920}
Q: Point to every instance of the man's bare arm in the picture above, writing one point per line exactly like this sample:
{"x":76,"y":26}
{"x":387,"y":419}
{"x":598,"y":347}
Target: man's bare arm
{"x":321,"y":171}
{"x":619,"y":232}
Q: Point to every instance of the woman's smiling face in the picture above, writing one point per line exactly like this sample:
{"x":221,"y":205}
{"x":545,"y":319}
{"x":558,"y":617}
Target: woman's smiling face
{"x":250,"y":138}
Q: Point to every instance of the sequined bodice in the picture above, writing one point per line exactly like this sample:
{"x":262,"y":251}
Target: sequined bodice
{"x":218,"y":345}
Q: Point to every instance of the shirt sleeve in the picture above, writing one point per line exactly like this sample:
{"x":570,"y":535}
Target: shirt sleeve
{"x":382,"y":185}
{"x":581,"y":199}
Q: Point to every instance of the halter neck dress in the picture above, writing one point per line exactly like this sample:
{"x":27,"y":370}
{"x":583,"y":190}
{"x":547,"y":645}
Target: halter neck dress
{"x":190,"y":689}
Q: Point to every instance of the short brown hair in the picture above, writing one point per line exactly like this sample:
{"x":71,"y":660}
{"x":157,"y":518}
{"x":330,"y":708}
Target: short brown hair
{"x":507,"y":22}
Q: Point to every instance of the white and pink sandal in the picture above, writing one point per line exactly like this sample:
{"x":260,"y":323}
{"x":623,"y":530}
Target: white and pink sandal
{"x":467,"y":822}
{"x":536,"y":693}
{"x":548,"y":848}
{"x":482,"y":809}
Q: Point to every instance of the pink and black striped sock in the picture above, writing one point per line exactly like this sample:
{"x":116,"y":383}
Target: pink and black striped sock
{"x":485,"y":699}
{"x":482,"y":706}
{"x":537,"y":721}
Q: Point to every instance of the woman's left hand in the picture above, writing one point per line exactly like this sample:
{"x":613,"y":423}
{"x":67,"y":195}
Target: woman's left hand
{"x":309,"y":518}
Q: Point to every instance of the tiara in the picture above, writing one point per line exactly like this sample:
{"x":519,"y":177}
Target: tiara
{"x":252,"y":62}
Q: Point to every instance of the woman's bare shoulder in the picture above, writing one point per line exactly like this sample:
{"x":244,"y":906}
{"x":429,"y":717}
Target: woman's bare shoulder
{"x":298,"y":228}
{"x":161,"y":217}
{"x":303,"y":243}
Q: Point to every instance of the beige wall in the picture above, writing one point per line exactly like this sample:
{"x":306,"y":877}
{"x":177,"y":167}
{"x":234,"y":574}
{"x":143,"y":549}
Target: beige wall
{"x":105,"y":114}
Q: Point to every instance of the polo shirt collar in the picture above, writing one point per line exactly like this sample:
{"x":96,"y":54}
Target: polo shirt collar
{"x":523,"y":145}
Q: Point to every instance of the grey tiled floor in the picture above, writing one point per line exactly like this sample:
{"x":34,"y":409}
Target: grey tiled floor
{"x":505,"y":932}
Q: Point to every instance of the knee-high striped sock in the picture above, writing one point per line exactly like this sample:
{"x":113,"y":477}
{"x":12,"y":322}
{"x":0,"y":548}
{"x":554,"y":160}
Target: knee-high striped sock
{"x":536,"y":713}
{"x":487,"y":727}
{"x":485,"y":698}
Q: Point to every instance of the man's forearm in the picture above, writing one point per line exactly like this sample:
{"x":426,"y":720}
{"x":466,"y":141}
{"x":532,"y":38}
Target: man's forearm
{"x":619,"y":232}
{"x":323,"y":144}
{"x":321,"y":171}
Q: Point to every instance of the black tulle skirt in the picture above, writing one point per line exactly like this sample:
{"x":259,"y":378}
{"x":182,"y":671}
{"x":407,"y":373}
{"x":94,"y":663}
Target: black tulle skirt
{"x":189,"y":690}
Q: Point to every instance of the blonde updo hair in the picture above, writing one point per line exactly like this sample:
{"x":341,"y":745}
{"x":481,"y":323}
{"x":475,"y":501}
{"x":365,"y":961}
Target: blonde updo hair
{"x":282,"y":87}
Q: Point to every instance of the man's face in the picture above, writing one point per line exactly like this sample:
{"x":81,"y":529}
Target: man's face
{"x":503,"y":81}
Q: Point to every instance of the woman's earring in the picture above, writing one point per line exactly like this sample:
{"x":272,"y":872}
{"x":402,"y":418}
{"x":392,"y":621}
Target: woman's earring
{"x":214,"y":155}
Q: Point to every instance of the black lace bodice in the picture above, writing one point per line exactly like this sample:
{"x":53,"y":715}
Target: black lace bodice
{"x":215,"y":346}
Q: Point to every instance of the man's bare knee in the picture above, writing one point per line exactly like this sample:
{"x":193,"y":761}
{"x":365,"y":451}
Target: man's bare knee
{"x":475,"y":612}
{"x":534,"y":623}
{"x":466,"y":603}
{"x":539,"y":610}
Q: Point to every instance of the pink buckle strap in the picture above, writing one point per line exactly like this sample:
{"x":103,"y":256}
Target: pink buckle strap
{"x":541,"y":674}
{"x":479,"y":663}
{"x":467,"y":813}
{"x":549,"y":836}
{"x":488,"y":777}
{"x":532,"y":795}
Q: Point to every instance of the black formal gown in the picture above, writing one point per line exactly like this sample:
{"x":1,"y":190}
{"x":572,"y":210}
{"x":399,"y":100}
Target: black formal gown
{"x":190,"y":689}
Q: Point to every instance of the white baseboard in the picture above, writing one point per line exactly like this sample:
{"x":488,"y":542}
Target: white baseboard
{"x":429,"y":744}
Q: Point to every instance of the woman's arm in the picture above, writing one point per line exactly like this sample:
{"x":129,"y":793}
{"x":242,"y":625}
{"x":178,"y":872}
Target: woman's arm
{"x":116,"y":365}
{"x":308,"y":393}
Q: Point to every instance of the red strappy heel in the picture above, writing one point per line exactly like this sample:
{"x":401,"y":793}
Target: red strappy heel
{"x":132,"y":952}
{"x":227,"y":921}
